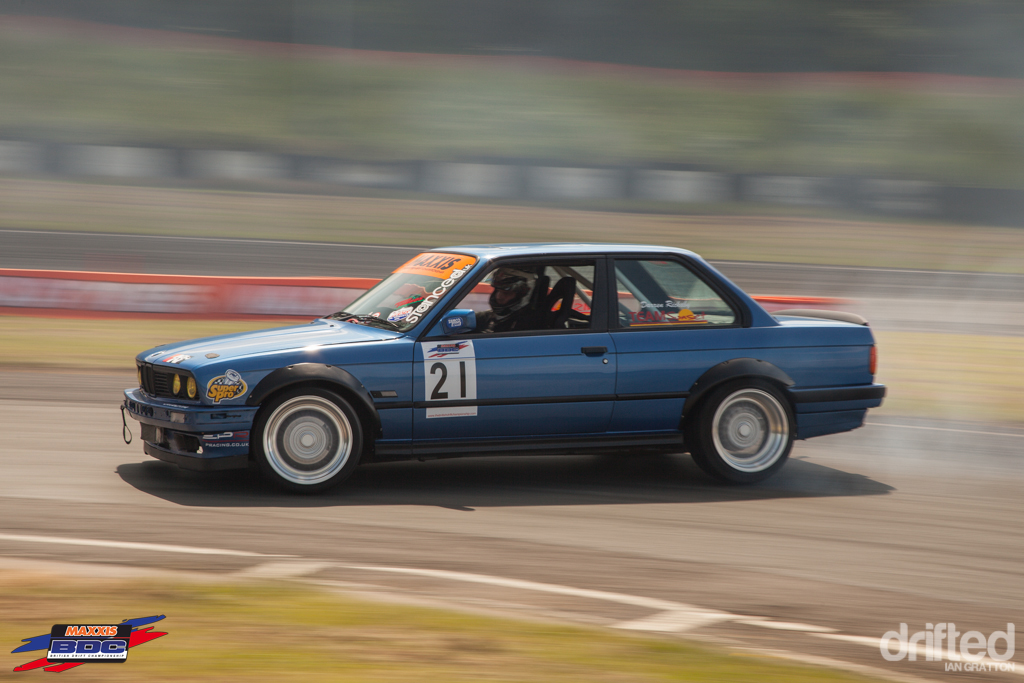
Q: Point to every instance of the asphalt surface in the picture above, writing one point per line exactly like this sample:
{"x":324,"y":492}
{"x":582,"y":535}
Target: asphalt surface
{"x":221,"y":256}
{"x":903,"y":522}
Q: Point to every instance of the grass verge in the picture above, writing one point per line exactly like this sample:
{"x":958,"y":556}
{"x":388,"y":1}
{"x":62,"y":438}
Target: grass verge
{"x":56,"y":205}
{"x":100,"y":86}
{"x":954,"y":376}
{"x":286,"y":633}
{"x":91,"y":345}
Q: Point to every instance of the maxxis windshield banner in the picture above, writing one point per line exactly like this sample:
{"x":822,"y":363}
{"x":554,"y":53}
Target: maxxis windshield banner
{"x":436,"y":264}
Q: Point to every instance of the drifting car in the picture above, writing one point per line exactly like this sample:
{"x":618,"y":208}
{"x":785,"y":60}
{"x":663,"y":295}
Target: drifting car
{"x":514,"y":348}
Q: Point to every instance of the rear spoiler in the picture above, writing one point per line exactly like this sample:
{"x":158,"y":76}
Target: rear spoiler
{"x":841,"y":316}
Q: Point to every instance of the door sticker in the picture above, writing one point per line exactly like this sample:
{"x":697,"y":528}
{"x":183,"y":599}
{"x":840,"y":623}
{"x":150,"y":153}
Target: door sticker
{"x":449,"y":371}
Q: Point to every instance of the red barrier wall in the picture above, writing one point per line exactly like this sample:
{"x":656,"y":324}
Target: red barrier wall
{"x":60,"y":293}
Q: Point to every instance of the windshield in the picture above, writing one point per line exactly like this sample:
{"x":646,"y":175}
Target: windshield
{"x":401,"y":300}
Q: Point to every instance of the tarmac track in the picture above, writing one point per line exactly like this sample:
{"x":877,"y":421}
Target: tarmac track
{"x":902,"y":521}
{"x":899,"y":522}
{"x":225,"y":256}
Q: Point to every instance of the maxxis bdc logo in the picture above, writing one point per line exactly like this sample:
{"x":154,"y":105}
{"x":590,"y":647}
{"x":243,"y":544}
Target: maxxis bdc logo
{"x":71,"y":645}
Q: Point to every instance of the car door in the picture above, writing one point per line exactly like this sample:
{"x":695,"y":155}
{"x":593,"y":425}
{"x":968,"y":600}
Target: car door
{"x":523,"y":383}
{"x":670,"y":324}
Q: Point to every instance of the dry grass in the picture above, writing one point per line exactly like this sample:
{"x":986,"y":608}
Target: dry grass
{"x":259,"y":633}
{"x":69,"y":344}
{"x":952,"y":376}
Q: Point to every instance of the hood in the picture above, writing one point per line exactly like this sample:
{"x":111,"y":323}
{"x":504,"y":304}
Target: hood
{"x":241,"y":344}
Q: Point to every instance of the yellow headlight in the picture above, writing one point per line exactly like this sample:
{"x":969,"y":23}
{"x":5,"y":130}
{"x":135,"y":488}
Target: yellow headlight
{"x":177,"y":383}
{"x":140,"y":375}
{"x":190,"y":387}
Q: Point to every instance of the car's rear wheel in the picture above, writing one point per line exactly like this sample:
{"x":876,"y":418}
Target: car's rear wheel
{"x":308,"y":440}
{"x":743,"y":432}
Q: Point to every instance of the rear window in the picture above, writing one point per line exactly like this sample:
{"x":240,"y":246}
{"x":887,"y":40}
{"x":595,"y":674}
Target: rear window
{"x":654,"y":293}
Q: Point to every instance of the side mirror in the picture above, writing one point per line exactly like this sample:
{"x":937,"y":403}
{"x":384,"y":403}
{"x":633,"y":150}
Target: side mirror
{"x":459,"y":321}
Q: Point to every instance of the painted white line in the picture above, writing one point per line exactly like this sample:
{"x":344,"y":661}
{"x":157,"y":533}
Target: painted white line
{"x":206,"y":239}
{"x":676,"y":617}
{"x":771,"y":264}
{"x":786,"y":625}
{"x":944,"y":429}
{"x":284,"y":569}
{"x":675,"y":621}
{"x":864,"y":268}
{"x":128,"y":545}
{"x":621,"y":598}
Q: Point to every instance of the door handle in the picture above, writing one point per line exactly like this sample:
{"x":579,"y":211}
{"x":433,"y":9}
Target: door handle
{"x":594,"y":350}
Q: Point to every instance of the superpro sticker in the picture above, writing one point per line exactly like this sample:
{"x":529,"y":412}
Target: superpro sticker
{"x":449,"y":371}
{"x":227,"y":386}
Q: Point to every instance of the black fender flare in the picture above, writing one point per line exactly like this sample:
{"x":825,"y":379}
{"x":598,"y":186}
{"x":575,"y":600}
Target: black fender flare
{"x":325,"y":375}
{"x":733,"y":369}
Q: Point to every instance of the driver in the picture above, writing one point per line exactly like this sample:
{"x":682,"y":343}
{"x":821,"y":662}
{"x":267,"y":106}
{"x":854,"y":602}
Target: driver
{"x":510,"y":309}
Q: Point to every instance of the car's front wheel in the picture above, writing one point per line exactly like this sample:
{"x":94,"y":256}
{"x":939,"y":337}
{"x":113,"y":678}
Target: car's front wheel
{"x":308,"y":440}
{"x":743,"y":432}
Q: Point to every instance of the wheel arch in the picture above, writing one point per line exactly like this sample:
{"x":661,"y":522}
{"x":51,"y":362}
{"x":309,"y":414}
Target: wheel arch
{"x":326,"y":377}
{"x":736,"y":368}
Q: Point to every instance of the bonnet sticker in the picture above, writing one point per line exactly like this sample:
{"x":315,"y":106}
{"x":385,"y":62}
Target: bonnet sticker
{"x":227,"y":386}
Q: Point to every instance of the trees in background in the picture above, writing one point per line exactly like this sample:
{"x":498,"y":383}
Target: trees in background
{"x":976,"y":37}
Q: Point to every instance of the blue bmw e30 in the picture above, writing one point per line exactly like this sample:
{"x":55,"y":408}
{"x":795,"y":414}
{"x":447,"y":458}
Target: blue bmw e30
{"x":517,"y":348}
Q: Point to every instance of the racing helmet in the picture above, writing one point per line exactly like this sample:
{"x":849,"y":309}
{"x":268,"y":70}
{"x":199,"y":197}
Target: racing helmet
{"x":512,"y":290}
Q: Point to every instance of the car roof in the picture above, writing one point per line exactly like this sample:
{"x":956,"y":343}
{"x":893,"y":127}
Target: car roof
{"x":493,"y":251}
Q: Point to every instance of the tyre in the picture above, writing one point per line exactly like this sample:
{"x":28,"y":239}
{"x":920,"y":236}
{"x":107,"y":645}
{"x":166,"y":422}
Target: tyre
{"x":308,"y":440}
{"x":743,"y":432}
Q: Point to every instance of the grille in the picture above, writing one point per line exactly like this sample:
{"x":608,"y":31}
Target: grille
{"x":158,"y":381}
{"x":161,"y":384}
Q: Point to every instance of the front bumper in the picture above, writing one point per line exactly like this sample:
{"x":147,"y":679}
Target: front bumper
{"x":192,"y":435}
{"x":189,"y":461}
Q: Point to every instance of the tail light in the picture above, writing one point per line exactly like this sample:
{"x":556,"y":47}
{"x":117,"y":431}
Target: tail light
{"x":873,"y":360}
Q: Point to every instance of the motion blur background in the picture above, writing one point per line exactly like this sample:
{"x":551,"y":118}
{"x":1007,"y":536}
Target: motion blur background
{"x":899,"y":107}
{"x":870,"y":151}
{"x":852,"y":133}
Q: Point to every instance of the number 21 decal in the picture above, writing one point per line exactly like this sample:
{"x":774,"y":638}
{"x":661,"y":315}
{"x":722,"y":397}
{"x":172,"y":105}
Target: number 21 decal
{"x":449,"y":371}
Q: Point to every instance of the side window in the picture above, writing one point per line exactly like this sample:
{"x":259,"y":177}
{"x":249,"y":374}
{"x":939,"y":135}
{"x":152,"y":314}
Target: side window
{"x":659,"y":293}
{"x":520,"y":297}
